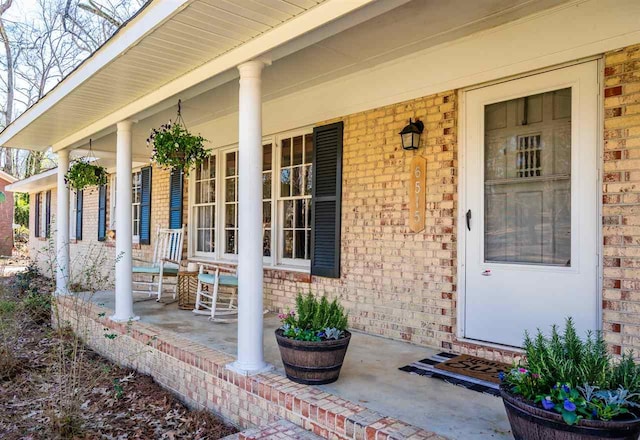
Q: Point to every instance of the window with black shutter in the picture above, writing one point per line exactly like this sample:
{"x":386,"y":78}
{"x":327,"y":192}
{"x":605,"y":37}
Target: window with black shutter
{"x":79,"y":204}
{"x":327,"y":200}
{"x":176,"y":180}
{"x":145,"y":206}
{"x":48,"y":214}
{"x":102,"y":212}
{"x":37,"y":215}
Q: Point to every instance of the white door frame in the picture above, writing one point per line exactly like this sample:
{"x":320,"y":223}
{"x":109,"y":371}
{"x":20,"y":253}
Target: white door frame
{"x":462,"y":201}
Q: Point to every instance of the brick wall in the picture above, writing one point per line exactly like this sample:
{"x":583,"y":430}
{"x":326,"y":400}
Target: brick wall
{"x":6,"y":221}
{"x":198,"y":376}
{"x":394,"y":283}
{"x":621,"y":197}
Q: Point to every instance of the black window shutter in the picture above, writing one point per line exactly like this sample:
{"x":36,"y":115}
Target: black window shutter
{"x":145,"y":205}
{"x":326,"y":200}
{"x":175,"y":198}
{"x":102,"y":212}
{"x":79,"y":204}
{"x":36,"y":226}
{"x":48,"y":214}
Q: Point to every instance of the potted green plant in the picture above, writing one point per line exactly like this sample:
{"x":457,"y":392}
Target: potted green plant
{"x":174,"y":146}
{"x":313,"y":340}
{"x":572,"y":389}
{"x":83,"y":174}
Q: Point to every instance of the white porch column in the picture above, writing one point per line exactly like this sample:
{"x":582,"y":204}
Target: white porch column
{"x":62,"y":226}
{"x":124,"y":285}
{"x":250,"y":344}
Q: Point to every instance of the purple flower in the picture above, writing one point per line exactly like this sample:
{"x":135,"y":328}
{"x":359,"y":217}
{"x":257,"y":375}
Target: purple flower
{"x":547,"y":403}
{"x":594,"y":413}
{"x":501,"y":376}
{"x":566,"y":388}
{"x":522,"y":370}
{"x":569,"y":405}
{"x":535,"y":376}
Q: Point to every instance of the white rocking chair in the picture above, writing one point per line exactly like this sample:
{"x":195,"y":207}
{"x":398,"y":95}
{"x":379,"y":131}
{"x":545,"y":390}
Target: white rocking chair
{"x":166,"y":262}
{"x":217,"y":305}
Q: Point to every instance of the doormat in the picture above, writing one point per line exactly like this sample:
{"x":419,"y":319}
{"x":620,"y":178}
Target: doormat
{"x":471,"y":372}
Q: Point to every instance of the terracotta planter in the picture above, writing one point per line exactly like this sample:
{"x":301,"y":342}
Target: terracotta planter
{"x":529,"y":422}
{"x":312,"y":363}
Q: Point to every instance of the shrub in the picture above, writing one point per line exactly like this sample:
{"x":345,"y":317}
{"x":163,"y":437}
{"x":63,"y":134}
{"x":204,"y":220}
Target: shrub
{"x":576,"y":378}
{"x":314,"y":319}
{"x":38,"y":306}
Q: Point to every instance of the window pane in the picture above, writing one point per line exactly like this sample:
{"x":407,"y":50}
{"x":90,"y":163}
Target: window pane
{"x":296,"y":181}
{"x":308,"y":225}
{"x":300,"y":211}
{"x":308,"y":148}
{"x":266,"y":214}
{"x":288,"y":214}
{"x":212,"y":167}
{"x":230,"y":247}
{"x":230,"y":216}
{"x":266,"y":243}
{"x":230,"y":192}
{"x":308,"y":180}
{"x":300,"y":249}
{"x":288,"y":244}
{"x":307,"y":255}
{"x":285,"y":159}
{"x":266,"y":157}
{"x":285,"y":182}
{"x":528,"y":180}
{"x":230,"y":165}
{"x":297,"y":150}
{"x":198,"y":195}
{"x":212,"y":191}
{"x":266,"y":185}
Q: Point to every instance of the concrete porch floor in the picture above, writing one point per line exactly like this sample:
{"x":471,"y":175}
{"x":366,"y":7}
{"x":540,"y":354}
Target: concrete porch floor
{"x":369,"y":376}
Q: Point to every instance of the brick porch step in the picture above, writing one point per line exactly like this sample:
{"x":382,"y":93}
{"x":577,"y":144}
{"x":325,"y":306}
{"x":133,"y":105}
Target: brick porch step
{"x":280,"y":430}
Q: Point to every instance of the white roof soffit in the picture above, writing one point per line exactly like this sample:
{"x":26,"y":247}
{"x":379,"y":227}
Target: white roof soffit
{"x":45,"y":179}
{"x":170,"y":46}
{"x":7,"y":177}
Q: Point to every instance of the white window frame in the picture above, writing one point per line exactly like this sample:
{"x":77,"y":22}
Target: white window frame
{"x":43,"y":214}
{"x":136,"y":206}
{"x":113,"y":180}
{"x":277,"y":222}
{"x":191,"y":217}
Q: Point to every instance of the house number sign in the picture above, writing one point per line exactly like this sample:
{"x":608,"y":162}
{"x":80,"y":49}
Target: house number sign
{"x":417,"y":194}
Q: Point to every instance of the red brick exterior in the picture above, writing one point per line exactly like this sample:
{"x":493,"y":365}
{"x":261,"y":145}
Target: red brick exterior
{"x":6,"y":221}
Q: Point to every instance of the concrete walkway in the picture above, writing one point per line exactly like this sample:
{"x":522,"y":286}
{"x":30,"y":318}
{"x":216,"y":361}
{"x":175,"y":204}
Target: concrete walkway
{"x":370,"y":375}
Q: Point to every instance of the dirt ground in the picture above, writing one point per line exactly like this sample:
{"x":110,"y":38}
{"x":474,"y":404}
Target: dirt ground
{"x":52,"y":386}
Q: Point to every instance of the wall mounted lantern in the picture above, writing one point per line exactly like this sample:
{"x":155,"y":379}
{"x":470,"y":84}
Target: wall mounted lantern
{"x":411,"y":135}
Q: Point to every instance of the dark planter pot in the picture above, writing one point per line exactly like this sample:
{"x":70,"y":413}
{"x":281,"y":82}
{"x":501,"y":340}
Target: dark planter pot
{"x":529,"y":422}
{"x":312,"y":363}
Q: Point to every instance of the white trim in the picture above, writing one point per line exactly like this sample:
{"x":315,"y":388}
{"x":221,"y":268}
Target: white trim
{"x":32,"y":184}
{"x":7,"y":177}
{"x":127,"y":37}
{"x":462,"y":199}
{"x":314,"y":18}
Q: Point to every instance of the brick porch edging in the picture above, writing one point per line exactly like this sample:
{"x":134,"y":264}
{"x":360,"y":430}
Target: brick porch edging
{"x":197,"y":375}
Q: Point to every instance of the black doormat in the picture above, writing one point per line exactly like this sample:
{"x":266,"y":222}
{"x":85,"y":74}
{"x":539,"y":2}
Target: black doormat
{"x":471,"y":372}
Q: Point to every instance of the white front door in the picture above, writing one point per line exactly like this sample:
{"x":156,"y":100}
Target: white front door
{"x":530,"y":205}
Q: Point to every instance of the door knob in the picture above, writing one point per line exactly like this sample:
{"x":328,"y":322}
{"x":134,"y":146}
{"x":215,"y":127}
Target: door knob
{"x":468,"y":219}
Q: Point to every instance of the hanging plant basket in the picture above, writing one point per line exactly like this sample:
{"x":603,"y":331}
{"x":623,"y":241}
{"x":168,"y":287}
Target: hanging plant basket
{"x":175,"y":147}
{"x":83,"y":174}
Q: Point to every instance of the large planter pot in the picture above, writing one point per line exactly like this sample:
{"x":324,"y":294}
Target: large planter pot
{"x":312,"y":363}
{"x":529,"y":422}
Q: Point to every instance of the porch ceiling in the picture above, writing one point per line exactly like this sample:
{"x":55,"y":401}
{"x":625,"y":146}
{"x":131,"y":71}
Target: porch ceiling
{"x":180,"y":36}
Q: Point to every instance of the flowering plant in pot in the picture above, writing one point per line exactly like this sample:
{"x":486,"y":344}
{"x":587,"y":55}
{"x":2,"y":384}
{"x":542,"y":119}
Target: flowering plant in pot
{"x":313,"y":340}
{"x":175,"y":147}
{"x":83,"y":174}
{"x":572,"y":388}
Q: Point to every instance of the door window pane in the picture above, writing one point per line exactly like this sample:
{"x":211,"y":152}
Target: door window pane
{"x":527,"y":172}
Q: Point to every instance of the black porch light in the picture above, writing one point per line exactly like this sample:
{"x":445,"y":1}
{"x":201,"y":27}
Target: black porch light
{"x":411,"y":135}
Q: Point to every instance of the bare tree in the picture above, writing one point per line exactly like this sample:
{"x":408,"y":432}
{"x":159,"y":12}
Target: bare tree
{"x":40,"y":50}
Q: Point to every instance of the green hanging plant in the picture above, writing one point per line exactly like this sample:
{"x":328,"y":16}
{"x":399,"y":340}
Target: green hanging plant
{"x":175,"y":147}
{"x":83,"y":174}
